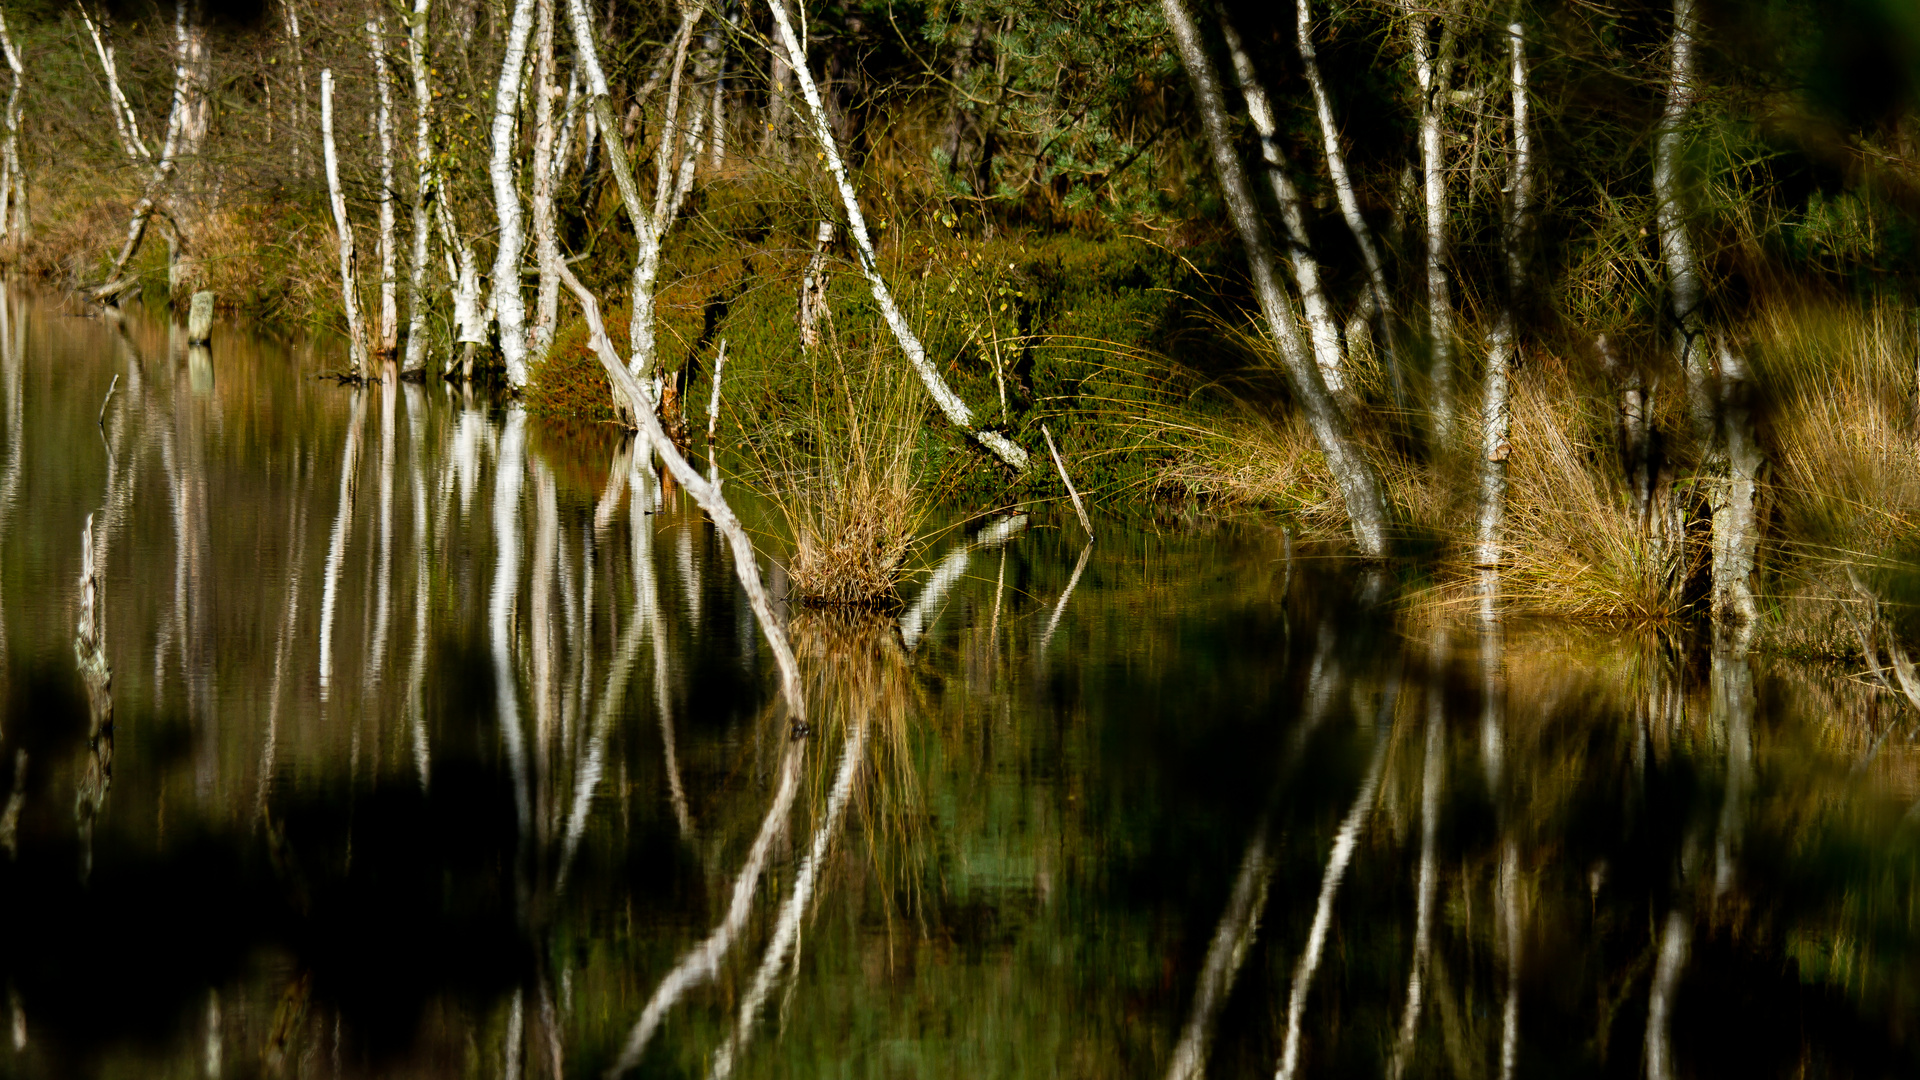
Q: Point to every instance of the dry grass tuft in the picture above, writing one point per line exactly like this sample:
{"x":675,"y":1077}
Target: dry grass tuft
{"x":844,"y":475}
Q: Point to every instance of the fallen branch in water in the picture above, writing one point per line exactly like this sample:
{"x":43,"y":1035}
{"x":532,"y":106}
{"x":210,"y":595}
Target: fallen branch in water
{"x":1078,"y":507}
{"x":746,"y":564}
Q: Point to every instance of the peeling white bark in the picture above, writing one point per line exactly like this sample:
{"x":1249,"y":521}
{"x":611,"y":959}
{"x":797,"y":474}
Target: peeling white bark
{"x":1496,"y":413}
{"x":162,"y":170}
{"x":949,"y":403}
{"x":423,"y":187}
{"x":469,"y":306}
{"x":386,"y":337}
{"x":509,"y":306}
{"x":707,"y":494}
{"x":1434,"y":73}
{"x":1359,"y":483}
{"x":343,"y":228}
{"x":546,"y":227}
{"x":13,"y":191}
{"x":1323,"y":328}
{"x":813,"y":288}
{"x":126,"y":124}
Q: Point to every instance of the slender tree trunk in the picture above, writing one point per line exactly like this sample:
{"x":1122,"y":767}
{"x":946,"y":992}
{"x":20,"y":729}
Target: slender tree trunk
{"x":469,"y":305}
{"x":1322,"y":327}
{"x":13,"y":195}
{"x":349,"y":283}
{"x":1717,"y":392}
{"x":162,"y":172}
{"x":126,"y":125}
{"x":717,"y":139}
{"x":1434,"y":73}
{"x":509,"y":307}
{"x":423,"y":187}
{"x":299,"y":53}
{"x":1359,"y":483}
{"x":1349,"y":202}
{"x":746,"y":564}
{"x":779,"y":105}
{"x":546,"y":235}
{"x":1496,"y":414}
{"x":387,"y":330}
{"x":949,"y":403}
{"x":813,"y":288}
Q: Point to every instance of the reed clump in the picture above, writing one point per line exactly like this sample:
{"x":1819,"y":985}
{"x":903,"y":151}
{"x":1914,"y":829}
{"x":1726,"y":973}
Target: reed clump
{"x":843,"y":464}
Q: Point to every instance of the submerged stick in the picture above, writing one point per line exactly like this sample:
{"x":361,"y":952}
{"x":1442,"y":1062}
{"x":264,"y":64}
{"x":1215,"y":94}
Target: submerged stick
{"x":102,"y":421}
{"x":746,"y":564}
{"x":1078,"y":506}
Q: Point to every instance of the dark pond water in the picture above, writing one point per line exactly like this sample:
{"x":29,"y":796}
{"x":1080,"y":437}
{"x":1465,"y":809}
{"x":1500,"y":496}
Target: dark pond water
{"x":441,"y":744}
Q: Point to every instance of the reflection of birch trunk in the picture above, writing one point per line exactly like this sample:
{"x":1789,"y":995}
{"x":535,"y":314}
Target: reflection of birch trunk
{"x":786,"y":925}
{"x":1359,"y":483}
{"x":383,"y":565}
{"x":701,"y":964}
{"x":337,"y":546}
{"x":509,"y":307}
{"x":508,"y":472}
{"x":1675,"y":938}
{"x":919,"y":618}
{"x":283,"y":648}
{"x":1059,"y":609}
{"x":387,"y":330}
{"x":707,"y":494}
{"x":951,"y":406}
{"x":1434,"y":71}
{"x":343,"y":228}
{"x":544,"y":645}
{"x":1344,"y":841}
{"x":422,"y":582}
{"x":90,"y":652}
{"x":1231,"y":942}
{"x":1431,"y":779}
{"x":647,"y":586}
{"x":12,"y":383}
{"x":423,"y":187}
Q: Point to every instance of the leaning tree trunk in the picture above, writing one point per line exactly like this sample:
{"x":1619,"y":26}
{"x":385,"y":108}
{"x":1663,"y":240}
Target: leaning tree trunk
{"x":1359,"y":483}
{"x":509,"y":307}
{"x":1496,"y":414}
{"x":423,"y":187}
{"x":162,"y":172}
{"x":387,"y":331}
{"x":1322,"y":328}
{"x":955,"y":410}
{"x":126,"y":125}
{"x":349,"y":283}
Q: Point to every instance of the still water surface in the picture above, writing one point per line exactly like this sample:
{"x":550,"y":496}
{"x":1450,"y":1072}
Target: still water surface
{"x":445,"y":745}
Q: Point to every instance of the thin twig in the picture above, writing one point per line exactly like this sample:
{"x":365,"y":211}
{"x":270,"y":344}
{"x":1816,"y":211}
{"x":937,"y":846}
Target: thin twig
{"x":1078,"y":506}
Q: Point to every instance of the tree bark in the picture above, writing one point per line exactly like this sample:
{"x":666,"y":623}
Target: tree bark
{"x":1359,"y":483}
{"x":162,"y":172}
{"x":387,"y":330}
{"x":1322,"y":328}
{"x":423,"y":187}
{"x":349,"y":283}
{"x":813,"y":288}
{"x":13,"y":194}
{"x":509,"y":307}
{"x":297,"y":49}
{"x":126,"y":125}
{"x":1435,"y":73}
{"x":1496,"y":414}
{"x":949,"y":403}
{"x":469,"y":306}
{"x":1349,"y":203}
{"x":546,"y":237}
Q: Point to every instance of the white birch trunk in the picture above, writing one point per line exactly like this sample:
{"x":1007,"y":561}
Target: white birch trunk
{"x":1434,"y":74}
{"x":13,"y":195}
{"x":423,"y":187}
{"x":349,"y":284}
{"x":813,"y":288}
{"x":387,"y":330}
{"x":190,"y":35}
{"x":1684,"y":291}
{"x":126,"y":125}
{"x":546,"y":230}
{"x":949,"y":403}
{"x":1322,"y":327}
{"x":509,"y":307}
{"x":469,"y":305}
{"x":779,"y":107}
{"x":297,"y":49}
{"x":162,"y":171}
{"x":746,"y":564}
{"x":1496,"y":413}
{"x":1359,"y":483}
{"x":643,"y":360}
{"x":1343,"y":192}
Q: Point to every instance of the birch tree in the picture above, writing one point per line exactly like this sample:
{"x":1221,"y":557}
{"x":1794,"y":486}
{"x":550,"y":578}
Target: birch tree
{"x":386,"y":338}
{"x":1496,"y":415}
{"x":126,"y":125}
{"x":509,"y":307}
{"x":546,"y":233}
{"x":951,"y":406}
{"x":423,"y":186}
{"x":1359,"y":483}
{"x":343,"y":228}
{"x":163,"y":169}
{"x":1434,"y":70}
{"x":13,"y":180}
